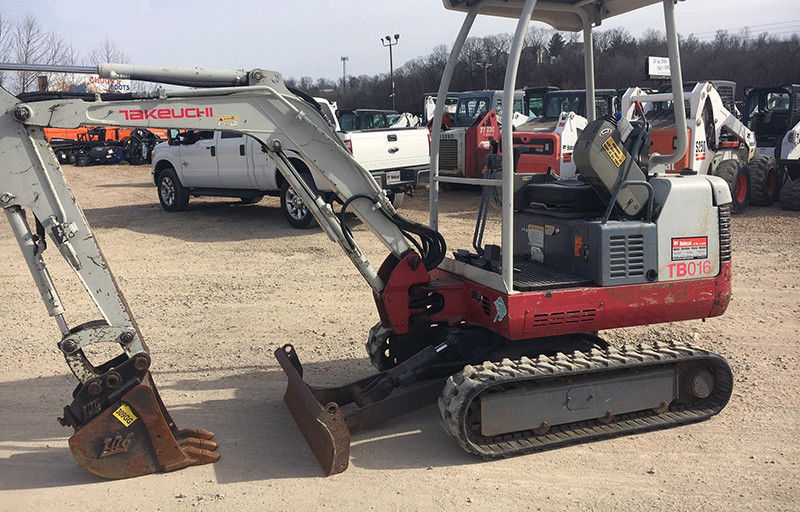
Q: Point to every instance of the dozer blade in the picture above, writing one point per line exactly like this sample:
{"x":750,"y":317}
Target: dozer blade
{"x":123,"y":430}
{"x":323,"y":426}
{"x":326,"y":427}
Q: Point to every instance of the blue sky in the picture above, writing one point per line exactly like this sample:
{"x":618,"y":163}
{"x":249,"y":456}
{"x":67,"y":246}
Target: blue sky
{"x":308,"y":37}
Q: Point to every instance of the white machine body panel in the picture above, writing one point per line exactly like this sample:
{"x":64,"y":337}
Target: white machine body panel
{"x":688,"y":233}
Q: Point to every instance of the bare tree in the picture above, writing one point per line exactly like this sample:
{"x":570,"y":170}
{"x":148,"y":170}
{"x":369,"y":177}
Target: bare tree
{"x":32,"y":44}
{"x":107,"y":51}
{"x":5,"y":45}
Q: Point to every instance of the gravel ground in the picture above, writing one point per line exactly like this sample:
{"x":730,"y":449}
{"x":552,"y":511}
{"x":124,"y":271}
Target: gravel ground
{"x":217,"y":288}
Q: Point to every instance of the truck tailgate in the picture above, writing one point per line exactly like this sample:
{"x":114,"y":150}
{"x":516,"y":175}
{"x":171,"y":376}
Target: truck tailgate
{"x":390,"y":149}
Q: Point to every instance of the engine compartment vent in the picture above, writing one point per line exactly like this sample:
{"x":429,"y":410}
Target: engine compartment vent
{"x":448,"y":154}
{"x":626,"y":256}
{"x":725,"y":248}
{"x":563,"y":317}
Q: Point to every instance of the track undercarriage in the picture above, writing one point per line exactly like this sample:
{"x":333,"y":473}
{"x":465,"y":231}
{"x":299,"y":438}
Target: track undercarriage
{"x":499,"y":398}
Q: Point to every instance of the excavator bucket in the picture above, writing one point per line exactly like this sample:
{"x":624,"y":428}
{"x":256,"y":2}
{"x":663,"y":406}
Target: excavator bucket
{"x":123,"y":430}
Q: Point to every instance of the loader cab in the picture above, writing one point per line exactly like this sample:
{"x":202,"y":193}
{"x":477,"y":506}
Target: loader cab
{"x":429,"y":104}
{"x":771,"y":112}
{"x":475,"y":123}
{"x":474,"y":105}
{"x":544,"y":144}
{"x":534,"y":100}
{"x":556,"y":102}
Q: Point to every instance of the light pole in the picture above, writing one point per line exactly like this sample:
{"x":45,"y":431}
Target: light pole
{"x":344,"y":71}
{"x":485,"y":66}
{"x":387,"y":41}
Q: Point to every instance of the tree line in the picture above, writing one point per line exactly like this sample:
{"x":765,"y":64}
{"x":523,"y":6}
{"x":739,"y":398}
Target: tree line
{"x":26,"y":41}
{"x":548,"y":58}
{"x":553,"y":58}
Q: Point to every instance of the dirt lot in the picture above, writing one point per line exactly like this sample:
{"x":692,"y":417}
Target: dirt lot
{"x":217,"y":288}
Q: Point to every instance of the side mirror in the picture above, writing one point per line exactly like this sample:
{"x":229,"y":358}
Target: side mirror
{"x":173,"y":137}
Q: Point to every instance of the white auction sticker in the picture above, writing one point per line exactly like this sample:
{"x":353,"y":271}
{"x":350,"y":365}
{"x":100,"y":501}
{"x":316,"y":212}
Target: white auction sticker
{"x":691,"y":248}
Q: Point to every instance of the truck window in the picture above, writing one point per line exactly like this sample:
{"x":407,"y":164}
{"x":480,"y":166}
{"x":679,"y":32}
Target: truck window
{"x":376,"y":120}
{"x":230,"y":135}
{"x":193,"y":136}
{"x":347,"y":121}
{"x":327,"y":114}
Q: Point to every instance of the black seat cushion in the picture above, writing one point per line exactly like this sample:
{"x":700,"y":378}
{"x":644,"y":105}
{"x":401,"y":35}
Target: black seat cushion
{"x":567,"y":194}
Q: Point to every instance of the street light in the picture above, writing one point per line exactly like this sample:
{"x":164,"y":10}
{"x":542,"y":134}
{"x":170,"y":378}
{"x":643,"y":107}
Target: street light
{"x":387,"y":41}
{"x":486,"y":66}
{"x":344,"y":71}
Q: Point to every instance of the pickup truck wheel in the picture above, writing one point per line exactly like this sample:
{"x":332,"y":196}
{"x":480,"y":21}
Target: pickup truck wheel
{"x":293,"y":209}
{"x":171,"y":194}
{"x":396,"y":198}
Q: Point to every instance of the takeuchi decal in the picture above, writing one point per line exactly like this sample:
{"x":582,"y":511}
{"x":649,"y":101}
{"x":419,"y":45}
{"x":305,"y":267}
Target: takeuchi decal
{"x":168,"y":113}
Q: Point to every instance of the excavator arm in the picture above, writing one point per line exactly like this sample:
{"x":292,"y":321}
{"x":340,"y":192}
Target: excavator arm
{"x":121,"y":426}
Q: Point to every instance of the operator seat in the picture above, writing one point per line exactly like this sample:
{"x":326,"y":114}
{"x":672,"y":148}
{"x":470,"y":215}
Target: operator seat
{"x":601,"y":165}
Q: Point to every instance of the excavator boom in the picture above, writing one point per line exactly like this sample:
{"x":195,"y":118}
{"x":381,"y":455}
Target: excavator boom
{"x":121,"y":426}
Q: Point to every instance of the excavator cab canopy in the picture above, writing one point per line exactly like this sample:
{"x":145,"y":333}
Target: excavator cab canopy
{"x":567,"y":15}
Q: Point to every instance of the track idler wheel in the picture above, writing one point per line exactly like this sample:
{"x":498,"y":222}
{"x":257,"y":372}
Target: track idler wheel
{"x":123,"y":430}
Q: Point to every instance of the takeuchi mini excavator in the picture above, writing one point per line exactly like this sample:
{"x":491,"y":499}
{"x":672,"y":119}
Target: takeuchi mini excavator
{"x":502,"y":337}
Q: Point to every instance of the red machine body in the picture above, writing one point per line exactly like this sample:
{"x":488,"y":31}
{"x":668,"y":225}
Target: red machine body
{"x":537,"y":153}
{"x":542,"y":313}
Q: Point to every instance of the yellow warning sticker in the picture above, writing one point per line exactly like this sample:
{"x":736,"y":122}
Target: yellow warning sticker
{"x":228,"y":121}
{"x":125,"y":415}
{"x":614,"y":151}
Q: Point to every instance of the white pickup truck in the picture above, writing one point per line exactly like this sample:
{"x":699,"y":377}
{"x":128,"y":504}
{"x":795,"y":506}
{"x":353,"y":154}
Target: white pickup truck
{"x":228,"y":164}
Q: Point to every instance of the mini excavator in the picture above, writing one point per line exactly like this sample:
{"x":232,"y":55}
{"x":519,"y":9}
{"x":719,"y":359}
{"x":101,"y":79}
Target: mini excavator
{"x":502,"y":337}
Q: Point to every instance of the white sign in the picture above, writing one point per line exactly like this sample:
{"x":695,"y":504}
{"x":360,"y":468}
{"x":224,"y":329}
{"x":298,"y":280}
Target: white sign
{"x":91,"y":84}
{"x":97,"y":84}
{"x":658,"y":67}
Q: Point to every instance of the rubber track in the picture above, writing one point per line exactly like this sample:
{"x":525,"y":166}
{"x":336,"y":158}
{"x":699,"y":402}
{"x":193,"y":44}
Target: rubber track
{"x":465,"y":386}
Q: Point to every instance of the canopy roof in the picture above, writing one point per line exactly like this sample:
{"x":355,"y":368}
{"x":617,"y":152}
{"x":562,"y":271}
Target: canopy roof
{"x":560,"y":14}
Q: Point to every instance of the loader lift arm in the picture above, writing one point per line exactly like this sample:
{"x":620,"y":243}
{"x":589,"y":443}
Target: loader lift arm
{"x":112,"y":396}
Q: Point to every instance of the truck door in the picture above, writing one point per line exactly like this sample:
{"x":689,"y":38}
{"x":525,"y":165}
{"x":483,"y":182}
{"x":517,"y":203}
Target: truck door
{"x":198,"y":162}
{"x":263,"y":170}
{"x":232,"y":150}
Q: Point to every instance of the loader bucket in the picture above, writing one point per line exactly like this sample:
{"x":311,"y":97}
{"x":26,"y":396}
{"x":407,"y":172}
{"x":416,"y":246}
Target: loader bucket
{"x":323,"y":426}
{"x":134,"y":434}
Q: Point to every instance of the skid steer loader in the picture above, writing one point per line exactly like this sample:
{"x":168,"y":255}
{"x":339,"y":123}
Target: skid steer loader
{"x":773,"y":113}
{"x":502,"y":338}
{"x":719,"y":144}
{"x":544,"y":144}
